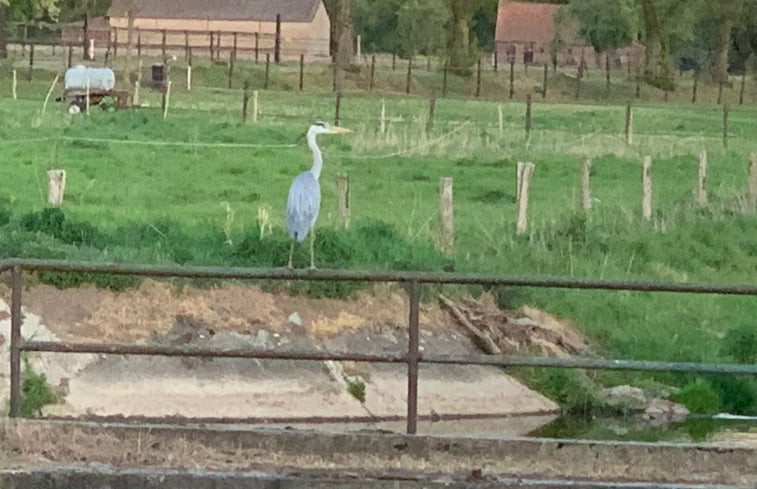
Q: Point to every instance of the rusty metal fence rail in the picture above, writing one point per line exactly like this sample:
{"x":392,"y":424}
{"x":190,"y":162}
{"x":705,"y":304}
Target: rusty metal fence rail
{"x":412,"y":357}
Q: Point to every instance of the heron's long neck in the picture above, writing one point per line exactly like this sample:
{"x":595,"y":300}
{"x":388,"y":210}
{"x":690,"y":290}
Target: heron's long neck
{"x":317,"y":157}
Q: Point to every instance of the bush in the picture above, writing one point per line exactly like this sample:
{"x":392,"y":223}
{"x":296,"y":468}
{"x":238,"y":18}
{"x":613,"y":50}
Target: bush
{"x":35,"y":391}
{"x":572,"y":389}
{"x":699,"y":397}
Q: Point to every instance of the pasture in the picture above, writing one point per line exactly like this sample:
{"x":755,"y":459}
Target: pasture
{"x":202,"y":187}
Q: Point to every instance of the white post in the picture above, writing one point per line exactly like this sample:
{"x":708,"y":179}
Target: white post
{"x":446,"y":213}
{"x":585,"y":189}
{"x":135,"y":98}
{"x":359,"y":50}
{"x":525,"y":171}
{"x":646,"y":188}
{"x":168,"y":98}
{"x":501,"y":120}
{"x":15,"y":84}
{"x":189,"y":78}
{"x":254,"y":106}
{"x":56,"y":185}
{"x":91,"y":50}
{"x":382,"y":119}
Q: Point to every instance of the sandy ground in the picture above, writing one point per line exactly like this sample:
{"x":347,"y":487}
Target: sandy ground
{"x":240,"y":315}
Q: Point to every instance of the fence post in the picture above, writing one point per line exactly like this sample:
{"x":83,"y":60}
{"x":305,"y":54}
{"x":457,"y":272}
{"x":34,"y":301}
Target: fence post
{"x":607,"y":73}
{"x":445,"y":73}
{"x":528,"y":115}
{"x":646,"y":188}
{"x":166,"y":99}
{"x":512,"y":79}
{"x":725,"y":126}
{"x":412,"y":360}
{"x":163,"y":44}
{"x":409,"y":75}
{"x":70,"y":55}
{"x":382,"y":117}
{"x":546,"y":75}
{"x":245,"y":99}
{"x":13,"y":86}
{"x":231,"y":70}
{"x":15,"y":342}
{"x":394,"y":61}
{"x":87,"y":95}
{"x":267,"y":70}
{"x":234,"y":48}
{"x":430,"y":119}
{"x":56,"y":186}
{"x":720,"y":93}
{"x":254,"y":106}
{"x":501,"y":120}
{"x":478,"y":78}
{"x":496,"y":61}
{"x":189,"y":78}
{"x":338,"y":106}
{"x":257,"y":47}
{"x":752,"y":182}
{"x":629,"y":124}
{"x":277,"y":41}
{"x":372,"y":83}
{"x":186,"y":46}
{"x":525,"y":171}
{"x":585,"y":185}
{"x":302,"y":72}
{"x":115,"y":44}
{"x":31,"y":60}
{"x":694,"y":90}
{"x":741,"y":90}
{"x":343,"y":197}
{"x":700,"y":192}
{"x":446,"y":215}
{"x":210,"y":46}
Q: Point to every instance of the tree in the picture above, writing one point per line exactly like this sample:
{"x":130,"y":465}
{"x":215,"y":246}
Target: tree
{"x":605,"y":25}
{"x":420,"y":27}
{"x":24,"y":11}
{"x":726,"y":14}
{"x":460,"y":50}
{"x":340,"y":42}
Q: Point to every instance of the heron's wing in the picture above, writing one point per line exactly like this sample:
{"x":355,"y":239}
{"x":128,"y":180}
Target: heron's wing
{"x":302,"y":205}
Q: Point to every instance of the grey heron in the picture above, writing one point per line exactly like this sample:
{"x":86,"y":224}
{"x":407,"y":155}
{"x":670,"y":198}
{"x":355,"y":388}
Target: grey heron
{"x":304,"y":199}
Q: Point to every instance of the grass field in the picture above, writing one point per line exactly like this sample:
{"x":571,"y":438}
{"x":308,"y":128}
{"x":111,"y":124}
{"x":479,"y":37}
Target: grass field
{"x":190,"y":189}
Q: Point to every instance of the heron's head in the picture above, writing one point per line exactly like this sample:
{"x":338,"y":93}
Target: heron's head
{"x":320,"y":127}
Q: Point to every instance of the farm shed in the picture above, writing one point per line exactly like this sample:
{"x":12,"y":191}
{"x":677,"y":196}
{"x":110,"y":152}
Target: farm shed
{"x":200,"y":24}
{"x":524,"y":31}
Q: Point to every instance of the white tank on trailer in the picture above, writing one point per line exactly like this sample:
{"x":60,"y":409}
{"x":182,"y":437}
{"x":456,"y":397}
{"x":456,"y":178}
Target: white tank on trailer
{"x":99,"y":78}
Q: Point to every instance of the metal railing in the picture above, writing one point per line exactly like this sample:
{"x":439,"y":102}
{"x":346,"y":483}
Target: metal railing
{"x":412,"y":357}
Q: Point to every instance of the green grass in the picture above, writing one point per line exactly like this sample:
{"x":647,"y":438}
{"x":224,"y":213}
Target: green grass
{"x":198,"y":204}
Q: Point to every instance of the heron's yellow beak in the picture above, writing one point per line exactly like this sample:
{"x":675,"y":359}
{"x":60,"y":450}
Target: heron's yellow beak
{"x":338,"y":130}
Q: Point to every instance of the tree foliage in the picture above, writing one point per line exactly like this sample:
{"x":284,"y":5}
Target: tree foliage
{"x":605,"y":25}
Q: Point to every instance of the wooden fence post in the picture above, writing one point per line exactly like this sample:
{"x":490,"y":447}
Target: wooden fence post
{"x":741,"y":90}
{"x":646,"y":188}
{"x":585,"y":185}
{"x":629,"y":124}
{"x":372,"y":83}
{"x":694,"y":90}
{"x":277,"y":40}
{"x":512,"y":79}
{"x":337,"y":107}
{"x":14,"y":85}
{"x":166,"y":99}
{"x":163,"y":44}
{"x":725,"y":126}
{"x":267,"y":70}
{"x":446,"y":215}
{"x":445,"y":74}
{"x":720,"y":93}
{"x":478,"y":78}
{"x":186,"y":46}
{"x":409,"y":75}
{"x":245,"y":99}
{"x":430,"y":119}
{"x":115,"y":44}
{"x":382,"y":117}
{"x":528,"y":116}
{"x":189,"y":78}
{"x":210,"y":46}
{"x":139,"y":44}
{"x":56,"y":186}
{"x":254,"y":106}
{"x":700,"y":192}
{"x":234,"y":48}
{"x":525,"y":172}
{"x":752,"y":182}
{"x":302,"y":71}
{"x":343,"y":198}
{"x":70,"y":55}
{"x":501,"y":120}
{"x":31,"y":61}
{"x":231,"y":71}
{"x":257,"y":47}
{"x":546,"y":74}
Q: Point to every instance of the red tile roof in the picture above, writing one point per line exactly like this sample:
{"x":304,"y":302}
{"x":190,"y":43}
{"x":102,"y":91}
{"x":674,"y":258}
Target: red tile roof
{"x":525,"y":22}
{"x":252,"y":10}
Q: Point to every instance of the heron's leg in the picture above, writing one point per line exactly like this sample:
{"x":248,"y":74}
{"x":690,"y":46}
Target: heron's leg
{"x":291,"y":252}
{"x":312,"y":240}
